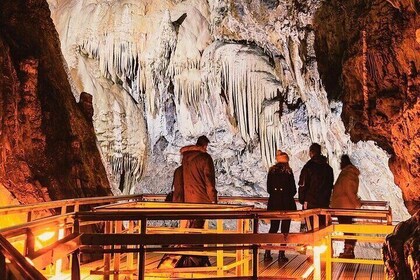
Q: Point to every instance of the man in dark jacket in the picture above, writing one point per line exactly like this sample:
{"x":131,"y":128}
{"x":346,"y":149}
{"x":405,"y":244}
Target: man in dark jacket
{"x":198,"y":173}
{"x":316,"y":182}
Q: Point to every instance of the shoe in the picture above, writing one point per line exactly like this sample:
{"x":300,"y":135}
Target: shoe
{"x":348,"y":252}
{"x":347,"y":255}
{"x":282,"y":257}
{"x":267,"y":256}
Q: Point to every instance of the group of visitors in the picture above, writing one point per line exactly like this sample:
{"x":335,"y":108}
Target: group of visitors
{"x":316,"y":183}
{"x":194,"y":182}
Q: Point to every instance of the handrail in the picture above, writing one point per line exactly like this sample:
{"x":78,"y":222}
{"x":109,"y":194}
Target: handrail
{"x":5,"y":210}
{"x":16,"y":209}
{"x":262,"y":199}
{"x":18,"y":261}
{"x":117,"y":212}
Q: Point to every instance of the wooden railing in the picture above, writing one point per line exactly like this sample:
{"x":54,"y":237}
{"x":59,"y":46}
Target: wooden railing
{"x":61,"y":207}
{"x":140,"y":239}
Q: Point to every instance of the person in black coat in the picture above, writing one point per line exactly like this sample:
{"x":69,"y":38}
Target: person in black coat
{"x":316,"y":182}
{"x":282,"y":188}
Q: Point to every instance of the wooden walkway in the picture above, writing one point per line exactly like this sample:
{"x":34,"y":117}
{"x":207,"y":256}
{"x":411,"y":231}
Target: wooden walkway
{"x":295,"y":268}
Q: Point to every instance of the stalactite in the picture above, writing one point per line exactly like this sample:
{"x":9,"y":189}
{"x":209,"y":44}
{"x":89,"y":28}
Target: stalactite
{"x":365,"y":78}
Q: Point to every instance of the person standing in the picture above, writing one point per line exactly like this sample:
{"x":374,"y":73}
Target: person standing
{"x":194,"y":182}
{"x":316,"y":182}
{"x":198,"y":173}
{"x":281,"y":188}
{"x":345,"y":196}
{"x":178,"y":185}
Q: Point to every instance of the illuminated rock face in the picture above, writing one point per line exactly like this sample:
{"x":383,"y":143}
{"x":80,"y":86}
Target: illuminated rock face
{"x":244,"y":74}
{"x":380,"y":88}
{"x":401,"y":250}
{"x":47,"y":143}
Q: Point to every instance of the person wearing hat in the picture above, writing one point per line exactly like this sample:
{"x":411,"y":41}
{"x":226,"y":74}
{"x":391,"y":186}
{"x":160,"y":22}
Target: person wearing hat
{"x":281,"y":188}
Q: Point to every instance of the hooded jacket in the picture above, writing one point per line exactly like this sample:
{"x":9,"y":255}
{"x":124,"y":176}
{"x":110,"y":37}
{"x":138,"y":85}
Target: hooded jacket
{"x":178,"y":185}
{"x":345,"y":189}
{"x":198,"y":175}
{"x":316,"y":182}
{"x":281,"y":187}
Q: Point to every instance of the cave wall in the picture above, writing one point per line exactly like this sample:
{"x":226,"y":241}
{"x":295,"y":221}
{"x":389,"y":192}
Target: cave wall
{"x":47,"y":143}
{"x":370,"y":53}
{"x":245,"y":73}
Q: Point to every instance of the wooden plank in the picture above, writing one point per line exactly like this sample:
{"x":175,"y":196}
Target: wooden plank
{"x":272,"y":267}
{"x":291,"y":266}
{"x":349,"y":271}
{"x":364,"y":271}
{"x":337,"y":270}
{"x":378,"y":272}
{"x":302,"y":269}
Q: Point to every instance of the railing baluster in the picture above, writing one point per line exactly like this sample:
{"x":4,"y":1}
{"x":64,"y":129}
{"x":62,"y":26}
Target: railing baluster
{"x":130,"y":256}
{"x":107,"y":257}
{"x":219,"y":253}
{"x":255,"y":256}
{"x":142,"y":253}
{"x":75,"y":265}
{"x":118,"y":229}
{"x":3,"y":268}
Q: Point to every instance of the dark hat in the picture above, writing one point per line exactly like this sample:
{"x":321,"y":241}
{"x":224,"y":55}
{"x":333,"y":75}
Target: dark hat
{"x":202,"y":141}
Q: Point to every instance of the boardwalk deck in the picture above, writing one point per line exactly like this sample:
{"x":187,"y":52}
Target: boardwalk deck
{"x":295,"y":268}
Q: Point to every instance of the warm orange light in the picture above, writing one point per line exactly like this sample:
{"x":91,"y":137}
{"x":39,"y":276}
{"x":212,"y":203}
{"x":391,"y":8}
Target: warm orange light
{"x":318,"y":250}
{"x":308,"y":272}
{"x":43,"y":237}
{"x":29,"y":261}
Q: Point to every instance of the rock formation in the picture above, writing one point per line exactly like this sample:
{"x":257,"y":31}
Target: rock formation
{"x":47,"y":143}
{"x":369,"y":55}
{"x":401,"y":250}
{"x":252,"y":75}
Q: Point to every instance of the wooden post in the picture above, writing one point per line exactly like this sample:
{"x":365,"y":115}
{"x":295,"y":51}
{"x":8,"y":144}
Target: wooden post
{"x":30,"y":243}
{"x":255,"y":251}
{"x":389,"y":216}
{"x":246,"y":254}
{"x":107,"y":257}
{"x":142,"y":253}
{"x":29,"y":216}
{"x":75,"y":265}
{"x":239,"y":253}
{"x":316,"y":222}
{"x":118,"y":229}
{"x":130,"y":259}
{"x":219,"y":254}
{"x":328,"y":265}
{"x":3,"y":268}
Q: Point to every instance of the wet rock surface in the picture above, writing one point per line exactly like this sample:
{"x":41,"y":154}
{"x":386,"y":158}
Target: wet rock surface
{"x":402,"y":250}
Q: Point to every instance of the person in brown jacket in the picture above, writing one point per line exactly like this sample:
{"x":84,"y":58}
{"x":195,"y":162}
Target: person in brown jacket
{"x":345,"y":196}
{"x":178,"y":185}
{"x":198,"y":173}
